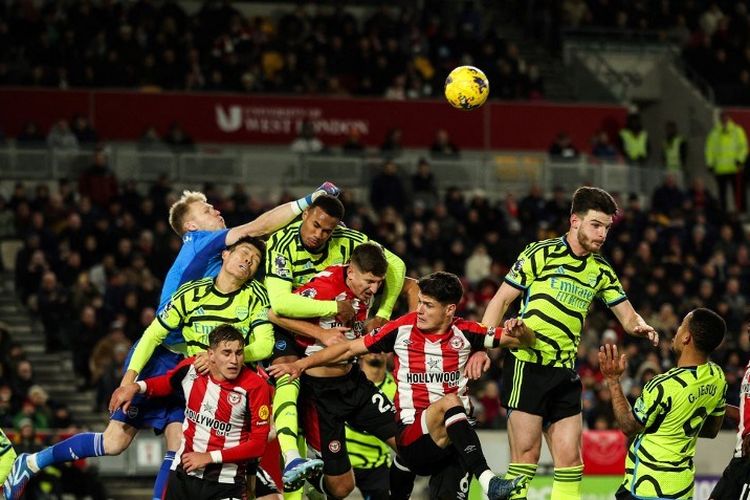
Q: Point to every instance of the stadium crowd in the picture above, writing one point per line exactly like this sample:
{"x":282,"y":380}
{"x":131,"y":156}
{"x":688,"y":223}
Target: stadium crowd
{"x":714,"y":35}
{"x":94,"y":254}
{"x":393,"y":53}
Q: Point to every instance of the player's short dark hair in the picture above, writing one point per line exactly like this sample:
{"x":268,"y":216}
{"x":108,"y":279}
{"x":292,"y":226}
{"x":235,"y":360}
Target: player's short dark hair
{"x":592,"y":198}
{"x":370,"y":258}
{"x":444,"y":287}
{"x":330,"y":205}
{"x":224,"y":333}
{"x":250,"y":240}
{"x":707,"y":328}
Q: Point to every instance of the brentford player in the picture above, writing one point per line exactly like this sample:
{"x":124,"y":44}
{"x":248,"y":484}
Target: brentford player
{"x":226,"y":423}
{"x":735,"y":481}
{"x":432,"y":348}
{"x":340,"y":394}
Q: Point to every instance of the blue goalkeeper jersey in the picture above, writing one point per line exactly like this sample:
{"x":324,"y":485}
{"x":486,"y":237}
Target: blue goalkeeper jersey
{"x":199,"y":257}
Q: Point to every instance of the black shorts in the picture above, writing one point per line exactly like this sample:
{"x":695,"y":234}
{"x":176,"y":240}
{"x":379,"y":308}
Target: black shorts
{"x":328,"y":403}
{"x":623,"y":494}
{"x":284,"y":344}
{"x":417,"y":450}
{"x":182,"y":485}
{"x":734,"y":483}
{"x":374,"y":484}
{"x":264,"y":484}
{"x":548,"y":391}
{"x":450,"y":482}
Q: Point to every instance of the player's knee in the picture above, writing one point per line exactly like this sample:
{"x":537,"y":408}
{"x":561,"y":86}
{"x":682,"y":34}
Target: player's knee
{"x":450,"y":401}
{"x":115,"y":441}
{"x":341,"y":487}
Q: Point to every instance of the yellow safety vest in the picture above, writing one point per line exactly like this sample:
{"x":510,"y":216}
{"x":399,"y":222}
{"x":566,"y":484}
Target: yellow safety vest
{"x":672,"y":153}
{"x":725,"y":147}
{"x":635,"y":145}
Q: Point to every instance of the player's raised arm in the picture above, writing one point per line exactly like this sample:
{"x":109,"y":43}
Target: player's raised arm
{"x":633,"y":323}
{"x":278,"y":217}
{"x":496,"y":308}
{"x":612,"y":367}
{"x":394,"y":281}
{"x":332,"y":354}
{"x":308,"y":329}
{"x":149,"y":341}
{"x":410,"y":290}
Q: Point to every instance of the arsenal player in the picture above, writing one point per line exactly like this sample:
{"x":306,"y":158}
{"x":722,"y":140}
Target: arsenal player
{"x":432,"y":348}
{"x":340,"y":393}
{"x":226,"y":423}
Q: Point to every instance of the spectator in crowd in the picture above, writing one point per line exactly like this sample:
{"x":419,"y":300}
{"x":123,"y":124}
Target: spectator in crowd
{"x":22,"y":380}
{"x":52,"y":305}
{"x":634,"y":142}
{"x":602,"y":148}
{"x":353,"y":145}
{"x":391,"y":146}
{"x":674,"y":150}
{"x":178,"y":140}
{"x":61,"y":138}
{"x":387,"y":188}
{"x":307,"y":141}
{"x":30,"y":137}
{"x":668,"y":196}
{"x":97,"y":182}
{"x":87,"y":333}
{"x":84,"y":132}
{"x":150,"y":140}
{"x":726,"y":154}
{"x":423,"y":185}
{"x":442,"y":147}
{"x":563,"y":149}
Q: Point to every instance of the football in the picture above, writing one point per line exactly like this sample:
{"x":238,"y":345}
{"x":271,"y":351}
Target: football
{"x":466,"y":87}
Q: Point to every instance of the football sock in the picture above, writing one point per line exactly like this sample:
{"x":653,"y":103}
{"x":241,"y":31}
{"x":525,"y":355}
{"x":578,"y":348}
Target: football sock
{"x":285,"y":417}
{"x":162,"y":478}
{"x":401,"y":479}
{"x":567,"y":483}
{"x":465,"y":441}
{"x":526,"y":470}
{"x":84,"y":445}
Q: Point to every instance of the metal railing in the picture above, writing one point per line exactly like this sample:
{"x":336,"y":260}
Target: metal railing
{"x":495,"y":173}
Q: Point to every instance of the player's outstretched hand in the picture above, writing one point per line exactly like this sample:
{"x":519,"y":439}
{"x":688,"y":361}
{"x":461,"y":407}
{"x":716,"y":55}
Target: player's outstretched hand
{"x":281,"y":369}
{"x":328,"y":188}
{"x":201,"y":363}
{"x":648,"y":332}
{"x":345,"y":312}
{"x":195,"y":460}
{"x":336,"y":335}
{"x":516,"y":333}
{"x":611,"y":365}
{"x":477,"y":365}
{"x":122,"y":397}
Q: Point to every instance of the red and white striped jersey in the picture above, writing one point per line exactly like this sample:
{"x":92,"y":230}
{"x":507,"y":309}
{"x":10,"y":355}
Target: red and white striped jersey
{"x":330,"y":284}
{"x":744,"y":426}
{"x":230,"y":416}
{"x":429,"y":366}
